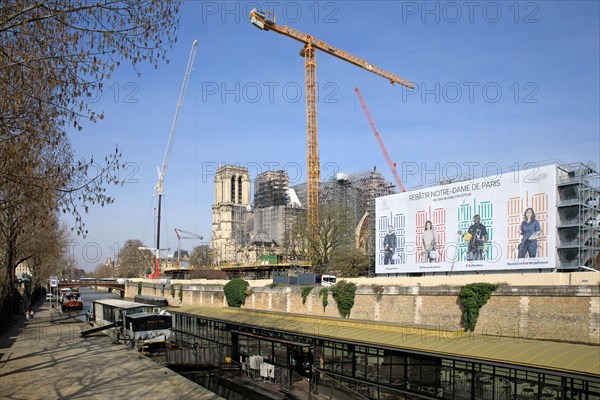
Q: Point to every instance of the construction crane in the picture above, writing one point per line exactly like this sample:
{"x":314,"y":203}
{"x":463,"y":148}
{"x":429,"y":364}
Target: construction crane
{"x":162,"y":172}
{"x":181,"y":234}
{"x":391,"y":164}
{"x":266,"y":21}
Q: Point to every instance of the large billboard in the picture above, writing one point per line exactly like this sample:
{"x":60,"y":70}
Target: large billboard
{"x":504,"y":222}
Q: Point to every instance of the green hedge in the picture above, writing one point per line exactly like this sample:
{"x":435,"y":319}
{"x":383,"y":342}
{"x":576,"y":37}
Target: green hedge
{"x":343,"y":294}
{"x":325,"y":294}
{"x":305,"y":292}
{"x":235,"y":292}
{"x":472,"y":297}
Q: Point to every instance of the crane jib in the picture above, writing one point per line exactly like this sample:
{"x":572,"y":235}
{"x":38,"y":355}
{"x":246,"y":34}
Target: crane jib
{"x":339,"y":53}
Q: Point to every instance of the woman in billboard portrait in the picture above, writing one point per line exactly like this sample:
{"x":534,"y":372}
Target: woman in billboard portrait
{"x":530,"y":231}
{"x":428,"y":243}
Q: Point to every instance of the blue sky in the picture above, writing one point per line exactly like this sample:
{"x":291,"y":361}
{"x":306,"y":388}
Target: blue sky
{"x":496,"y":84}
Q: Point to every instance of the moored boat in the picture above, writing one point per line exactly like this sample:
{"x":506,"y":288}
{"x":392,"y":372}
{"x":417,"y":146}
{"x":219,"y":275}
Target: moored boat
{"x":72,"y":301}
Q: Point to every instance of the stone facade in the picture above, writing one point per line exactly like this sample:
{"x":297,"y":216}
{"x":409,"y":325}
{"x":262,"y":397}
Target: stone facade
{"x":230,"y":212}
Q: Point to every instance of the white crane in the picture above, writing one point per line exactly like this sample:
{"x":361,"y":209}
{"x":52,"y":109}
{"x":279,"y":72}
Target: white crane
{"x":163,"y":170}
{"x":181,"y":234}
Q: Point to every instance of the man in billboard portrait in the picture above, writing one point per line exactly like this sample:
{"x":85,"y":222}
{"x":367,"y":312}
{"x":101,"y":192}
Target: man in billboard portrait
{"x":389,"y":245}
{"x":477,"y":237}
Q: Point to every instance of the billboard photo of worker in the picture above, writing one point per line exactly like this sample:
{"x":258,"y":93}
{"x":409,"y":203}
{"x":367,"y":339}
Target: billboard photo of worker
{"x":389,"y":245}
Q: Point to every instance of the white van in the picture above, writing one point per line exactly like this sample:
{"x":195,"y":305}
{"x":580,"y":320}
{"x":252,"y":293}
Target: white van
{"x":328,"y":280}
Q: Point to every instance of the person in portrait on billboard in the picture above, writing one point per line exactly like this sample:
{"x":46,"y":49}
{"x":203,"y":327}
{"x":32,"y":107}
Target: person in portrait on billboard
{"x":530,"y":231}
{"x":477,"y":237}
{"x":389,"y":245}
{"x":428,"y":243}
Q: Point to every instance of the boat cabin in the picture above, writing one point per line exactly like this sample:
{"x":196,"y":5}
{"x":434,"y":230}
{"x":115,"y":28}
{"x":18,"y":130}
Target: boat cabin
{"x":149,"y":327}
{"x":111,"y":311}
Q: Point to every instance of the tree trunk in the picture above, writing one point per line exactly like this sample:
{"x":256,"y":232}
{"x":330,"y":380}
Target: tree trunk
{"x":7,"y":284}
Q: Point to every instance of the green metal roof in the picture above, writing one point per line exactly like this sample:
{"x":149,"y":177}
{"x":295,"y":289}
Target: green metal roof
{"x":571,"y":358}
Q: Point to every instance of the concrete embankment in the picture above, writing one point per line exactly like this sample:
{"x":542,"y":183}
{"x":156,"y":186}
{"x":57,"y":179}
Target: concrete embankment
{"x":40,"y":359}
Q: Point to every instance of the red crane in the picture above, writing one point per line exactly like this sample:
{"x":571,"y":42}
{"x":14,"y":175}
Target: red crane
{"x":391,"y":164}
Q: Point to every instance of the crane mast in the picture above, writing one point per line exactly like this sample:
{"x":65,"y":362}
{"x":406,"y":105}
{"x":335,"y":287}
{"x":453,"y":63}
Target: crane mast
{"x":390,"y":163}
{"x":266,"y":21}
{"x":165,"y":165}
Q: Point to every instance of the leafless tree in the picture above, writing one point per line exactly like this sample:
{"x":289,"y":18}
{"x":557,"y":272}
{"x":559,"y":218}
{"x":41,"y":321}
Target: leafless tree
{"x":334,"y":230}
{"x":201,"y":256}
{"x":133,"y":261}
{"x":53,"y":56}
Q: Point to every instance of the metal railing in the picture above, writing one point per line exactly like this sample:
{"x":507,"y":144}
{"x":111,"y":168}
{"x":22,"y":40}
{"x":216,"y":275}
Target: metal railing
{"x":333,"y":387}
{"x":199,"y":356}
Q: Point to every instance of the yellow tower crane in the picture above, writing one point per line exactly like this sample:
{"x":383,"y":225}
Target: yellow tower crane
{"x":266,"y":22}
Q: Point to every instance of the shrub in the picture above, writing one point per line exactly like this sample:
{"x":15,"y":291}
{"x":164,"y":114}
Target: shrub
{"x":305,"y":292}
{"x":173,"y":291}
{"x":324,"y":293}
{"x":472,"y":297}
{"x":235,"y":292}
{"x":180,"y":293}
{"x":139,"y":285}
{"x":343,"y":294}
{"x":378,"y":290}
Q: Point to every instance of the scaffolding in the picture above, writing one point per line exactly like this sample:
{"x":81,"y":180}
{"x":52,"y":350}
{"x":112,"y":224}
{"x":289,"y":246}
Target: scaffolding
{"x":356,"y":193}
{"x":578,"y":187}
{"x":344,"y":192}
{"x":270,"y":189}
{"x":274,"y":210}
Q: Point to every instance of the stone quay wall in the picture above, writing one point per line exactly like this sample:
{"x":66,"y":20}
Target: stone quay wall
{"x":569,"y":313}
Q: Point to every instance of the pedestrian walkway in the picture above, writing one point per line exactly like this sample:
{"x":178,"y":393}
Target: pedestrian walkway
{"x":44,"y":360}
